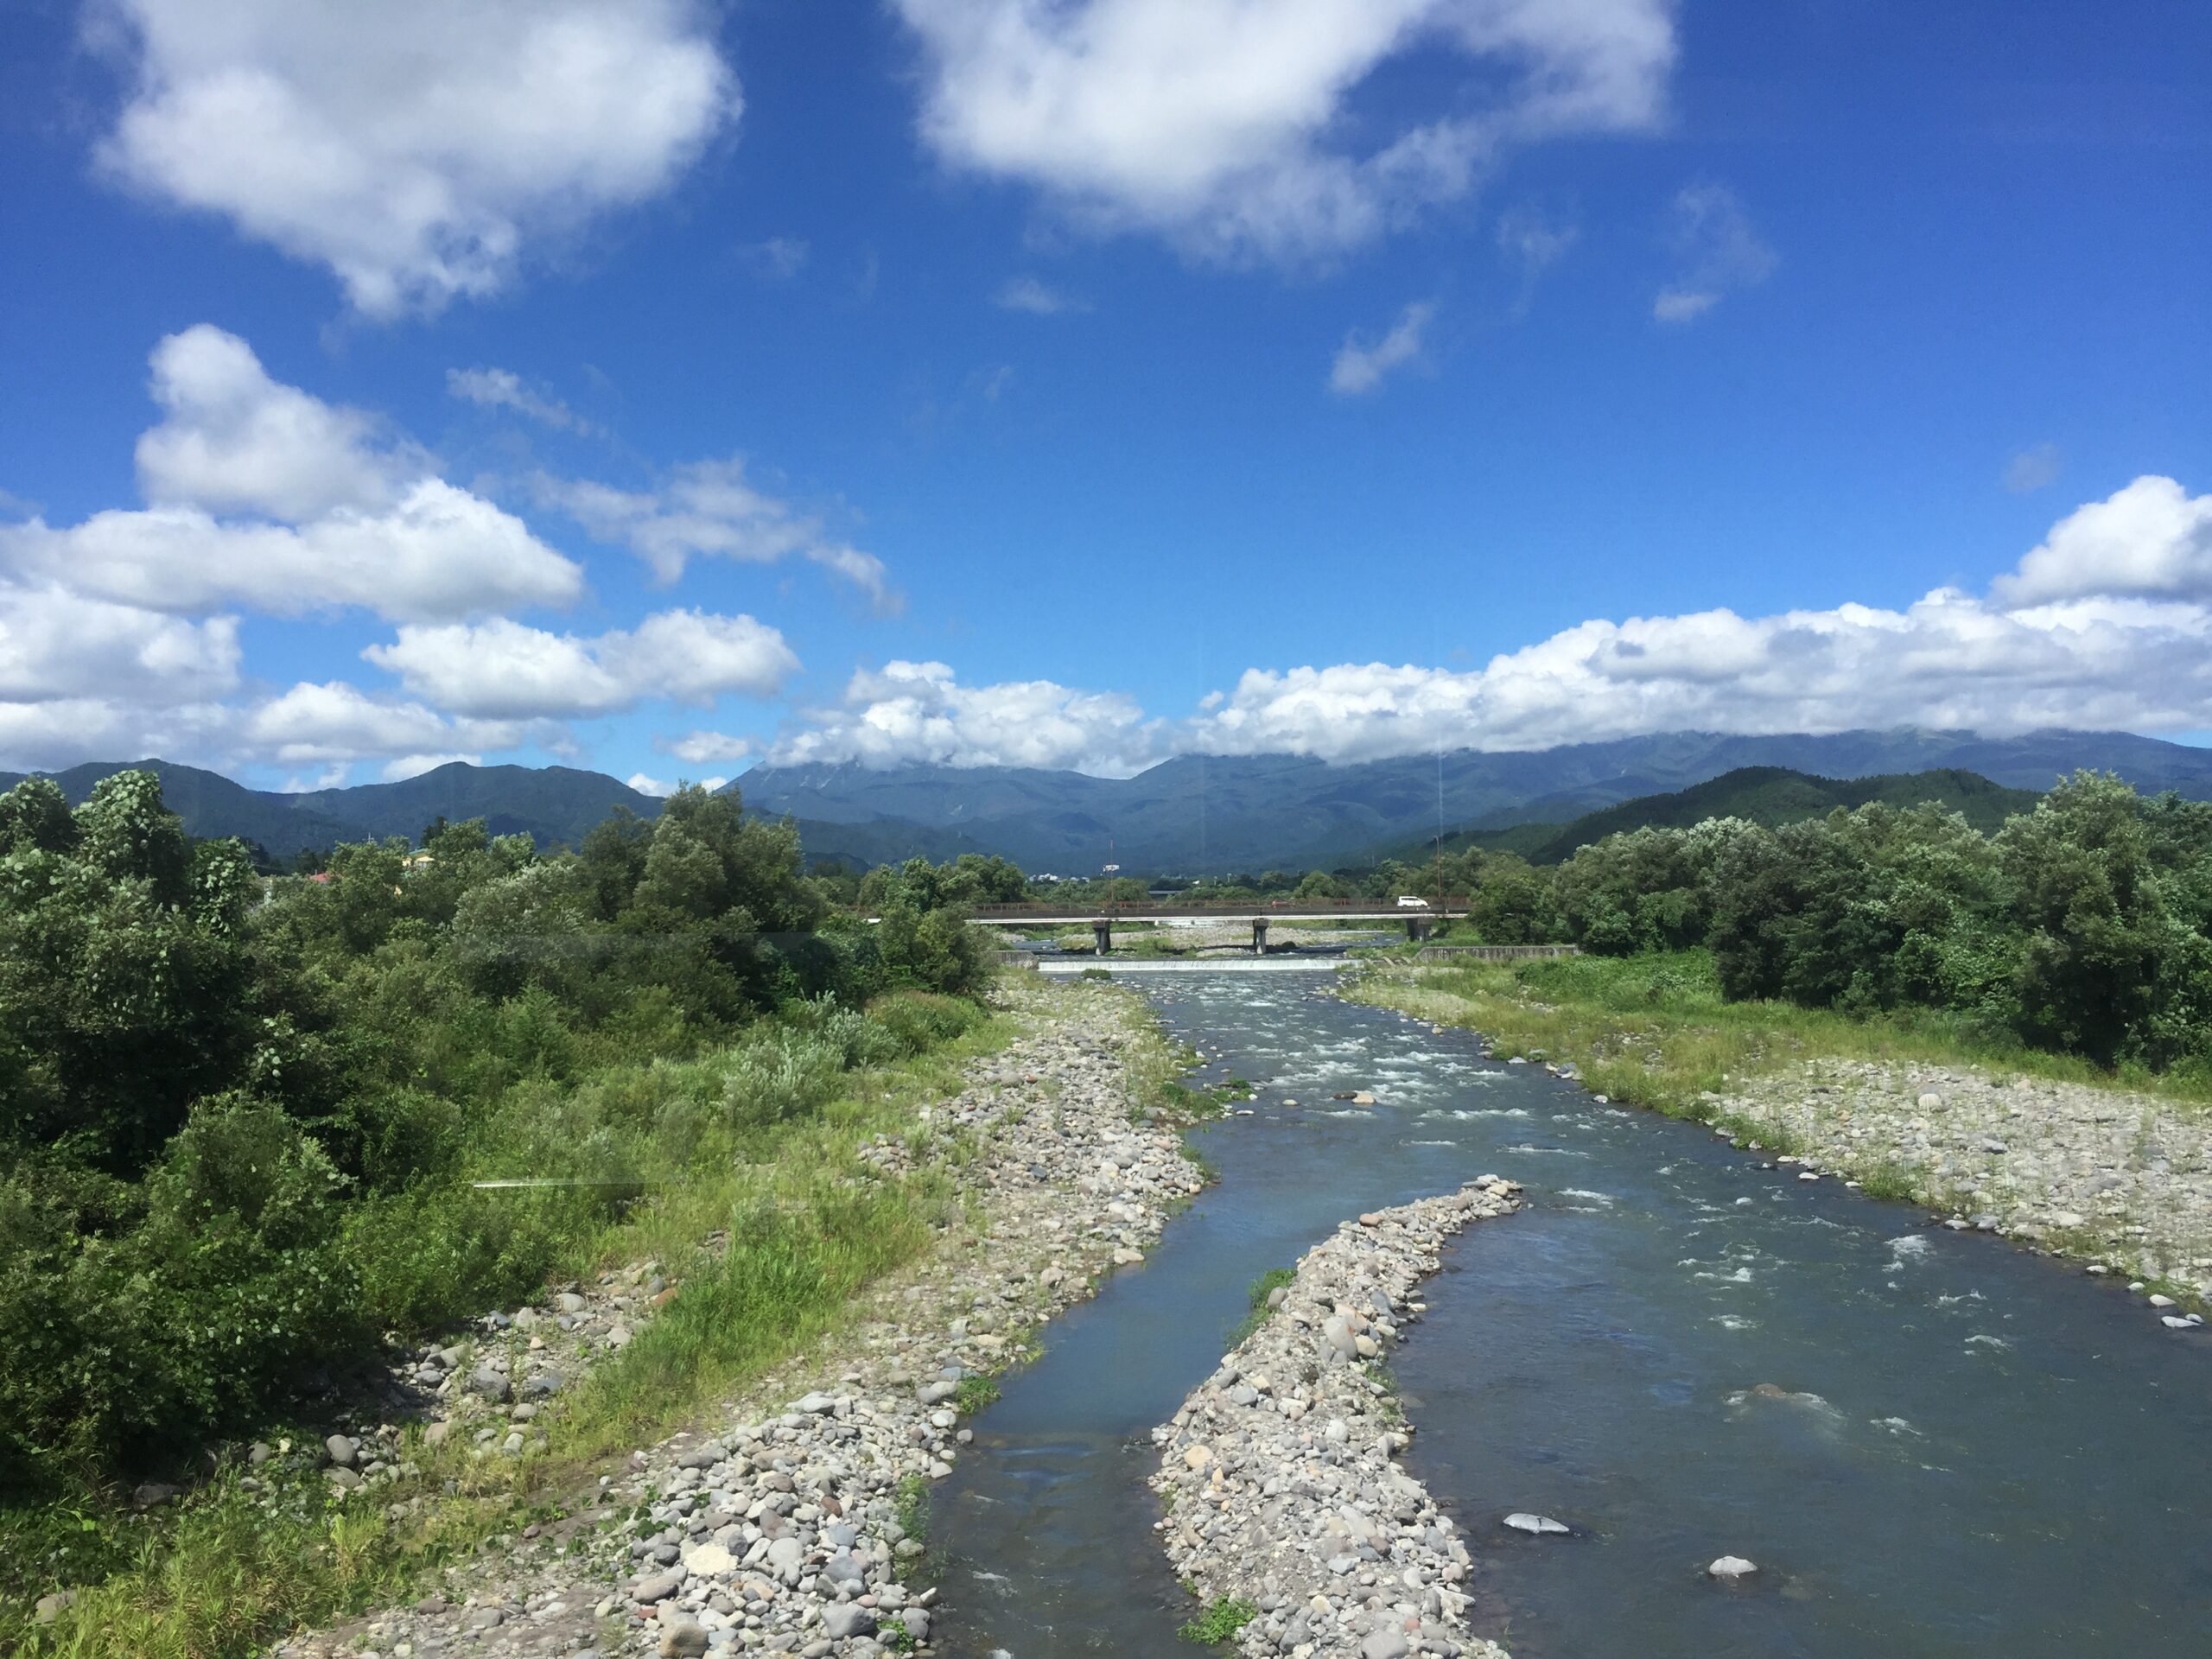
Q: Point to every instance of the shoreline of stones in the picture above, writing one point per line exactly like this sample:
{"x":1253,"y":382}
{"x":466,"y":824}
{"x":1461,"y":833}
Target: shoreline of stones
{"x":1279,"y":1473}
{"x":791,"y":1528}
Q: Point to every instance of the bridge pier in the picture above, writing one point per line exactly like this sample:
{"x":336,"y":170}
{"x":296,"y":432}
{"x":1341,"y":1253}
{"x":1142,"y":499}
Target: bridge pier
{"x":1418,"y":928}
{"x":1259,"y":936}
{"x":1103,"y":934}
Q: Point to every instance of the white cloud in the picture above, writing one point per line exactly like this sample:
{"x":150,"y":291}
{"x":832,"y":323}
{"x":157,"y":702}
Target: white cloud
{"x":502,"y":669}
{"x":1223,"y":123}
{"x":1361,"y":365}
{"x":314,"y":724}
{"x":2034,"y":469}
{"x":700,"y":748}
{"x":1719,"y":250}
{"x":264,"y":496}
{"x":410,"y":765}
{"x":2151,"y":540}
{"x":1039,"y":300}
{"x":505,"y":389}
{"x":57,"y":646}
{"x":660,"y":787}
{"x":708,"y":508}
{"x":232,"y":439}
{"x":2107,"y":626}
{"x":917,"y":711}
{"x":414,"y":147}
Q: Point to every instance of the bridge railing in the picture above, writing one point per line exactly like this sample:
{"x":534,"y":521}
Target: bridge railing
{"x":1300,"y":909}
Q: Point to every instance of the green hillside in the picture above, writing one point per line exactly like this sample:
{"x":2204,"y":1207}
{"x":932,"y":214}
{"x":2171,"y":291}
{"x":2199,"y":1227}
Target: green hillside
{"x":1767,"y":795}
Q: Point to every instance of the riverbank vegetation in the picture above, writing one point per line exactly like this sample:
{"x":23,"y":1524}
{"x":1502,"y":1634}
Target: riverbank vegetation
{"x":243,"y":1127}
{"x":2079,"y":928}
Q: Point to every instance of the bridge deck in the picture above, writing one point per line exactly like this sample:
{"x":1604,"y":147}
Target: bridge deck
{"x":1069,"y":916}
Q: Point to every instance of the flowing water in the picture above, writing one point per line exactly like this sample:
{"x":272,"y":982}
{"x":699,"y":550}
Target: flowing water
{"x":1932,"y":1444}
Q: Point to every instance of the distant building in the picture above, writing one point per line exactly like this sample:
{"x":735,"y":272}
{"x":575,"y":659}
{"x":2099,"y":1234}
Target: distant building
{"x":421,"y":860}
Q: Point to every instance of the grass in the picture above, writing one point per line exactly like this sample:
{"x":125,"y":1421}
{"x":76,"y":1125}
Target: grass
{"x":1256,"y":1296}
{"x":225,"y":1570}
{"x":1223,"y":1617}
{"x":972,"y":1394}
{"x":1654,"y":1030}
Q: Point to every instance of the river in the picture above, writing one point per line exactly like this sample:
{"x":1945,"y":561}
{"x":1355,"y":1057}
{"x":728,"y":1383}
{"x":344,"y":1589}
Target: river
{"x":1932,"y":1444}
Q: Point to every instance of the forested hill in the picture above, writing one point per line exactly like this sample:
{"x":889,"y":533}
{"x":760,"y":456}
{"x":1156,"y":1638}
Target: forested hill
{"x":1771,"y":795}
{"x":1195,"y":814}
{"x":556,"y":806}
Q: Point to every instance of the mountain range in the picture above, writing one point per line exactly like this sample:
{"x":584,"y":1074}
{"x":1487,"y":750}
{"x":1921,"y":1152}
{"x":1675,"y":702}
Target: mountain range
{"x":1195,"y":814}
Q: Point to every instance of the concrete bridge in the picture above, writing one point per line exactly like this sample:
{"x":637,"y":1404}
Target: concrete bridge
{"x":1419,"y":922}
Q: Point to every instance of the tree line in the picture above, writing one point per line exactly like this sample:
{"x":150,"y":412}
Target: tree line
{"x":240,"y":1117}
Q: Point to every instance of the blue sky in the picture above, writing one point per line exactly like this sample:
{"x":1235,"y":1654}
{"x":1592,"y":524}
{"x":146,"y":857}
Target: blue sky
{"x":664,"y":387}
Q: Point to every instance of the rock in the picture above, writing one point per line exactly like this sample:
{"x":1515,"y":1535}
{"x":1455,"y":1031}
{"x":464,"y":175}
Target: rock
{"x":916,"y":1621}
{"x":1929,"y":1102}
{"x":1538,"y":1525}
{"x":843,"y":1569}
{"x":681,"y":1638}
{"x":709,"y":1560}
{"x":660,"y":1587}
{"x":2158,"y":1301}
{"x":815,"y":1404}
{"x":341,"y":1451}
{"x":345,"y":1479}
{"x":785,"y":1554}
{"x":1730,"y":1568}
{"x":569,"y":1302}
{"x":49,"y":1608}
{"x":542,"y":1385}
{"x":846,"y":1619}
{"x":152,"y":1494}
{"x":1384,"y":1644}
{"x":489,"y":1384}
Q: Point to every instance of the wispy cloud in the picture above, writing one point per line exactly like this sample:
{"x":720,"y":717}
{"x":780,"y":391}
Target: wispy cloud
{"x":505,"y":389}
{"x":2034,"y":469}
{"x":1362,"y":364}
{"x":1533,"y":243}
{"x":777,"y":259}
{"x":1719,"y":251}
{"x":1037,"y":298}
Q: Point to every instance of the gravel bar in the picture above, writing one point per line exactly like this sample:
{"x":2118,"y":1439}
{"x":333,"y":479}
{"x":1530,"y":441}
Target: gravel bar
{"x":1279,"y":1474}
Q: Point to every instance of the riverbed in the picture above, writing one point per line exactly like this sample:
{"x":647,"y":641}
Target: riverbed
{"x":1931,"y":1443}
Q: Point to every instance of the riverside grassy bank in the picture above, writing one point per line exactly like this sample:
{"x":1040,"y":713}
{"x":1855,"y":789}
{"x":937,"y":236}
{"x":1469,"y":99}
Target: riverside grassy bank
{"x":967,"y":1197}
{"x":2114,"y":1169}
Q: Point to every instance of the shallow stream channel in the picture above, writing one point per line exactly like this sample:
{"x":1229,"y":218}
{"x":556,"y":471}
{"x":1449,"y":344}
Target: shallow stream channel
{"x":1933,"y":1444}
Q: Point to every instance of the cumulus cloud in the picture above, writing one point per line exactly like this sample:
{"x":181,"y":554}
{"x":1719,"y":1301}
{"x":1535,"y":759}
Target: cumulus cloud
{"x":700,"y":748}
{"x":414,"y":147}
{"x":502,"y":669}
{"x":1719,"y":252}
{"x":315,"y":724}
{"x":661,"y":787}
{"x":263,"y":495}
{"x":57,"y":646}
{"x":2108,"y":625}
{"x":505,"y":389}
{"x":2151,"y":540}
{"x":1362,"y":364}
{"x":1222,"y":124}
{"x":709,"y":509}
{"x":1037,"y":298}
{"x":918,"y":711}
